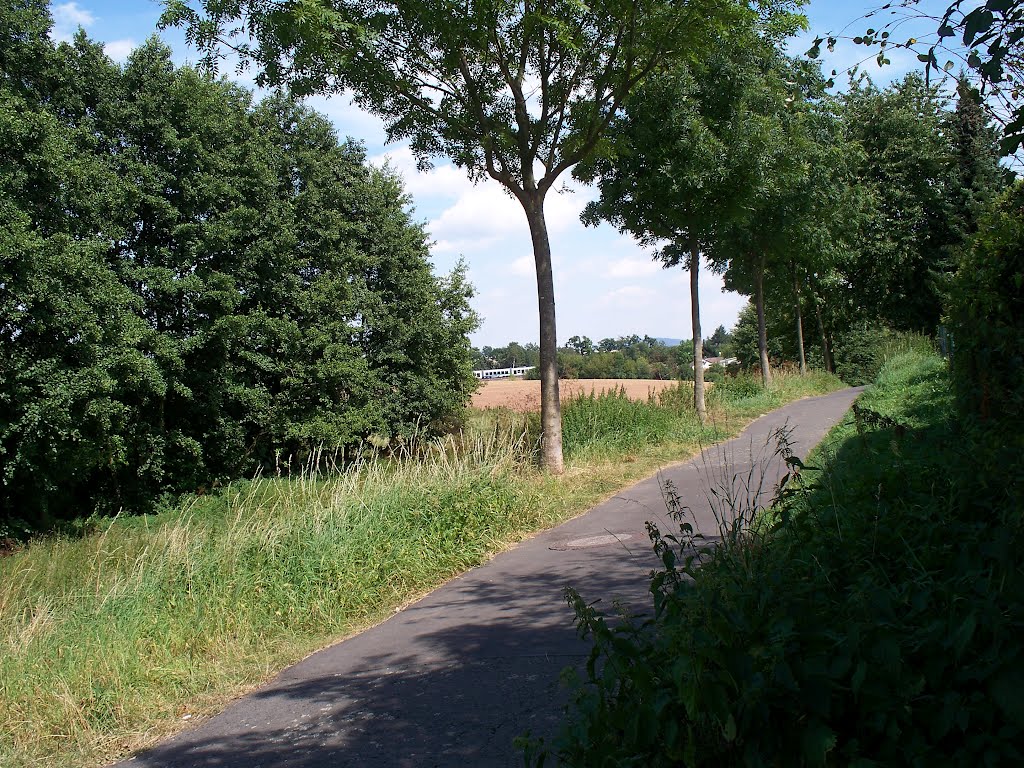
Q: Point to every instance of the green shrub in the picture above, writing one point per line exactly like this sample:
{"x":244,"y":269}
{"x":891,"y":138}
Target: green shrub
{"x":986,"y":317}
{"x":861,"y":352}
{"x":879,"y":623}
{"x":613,"y":419}
{"x":193,"y":286}
{"x":738,"y":387}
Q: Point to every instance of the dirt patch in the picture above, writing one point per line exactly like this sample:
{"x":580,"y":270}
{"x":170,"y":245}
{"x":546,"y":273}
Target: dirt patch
{"x":8,"y":546}
{"x":524,"y":396}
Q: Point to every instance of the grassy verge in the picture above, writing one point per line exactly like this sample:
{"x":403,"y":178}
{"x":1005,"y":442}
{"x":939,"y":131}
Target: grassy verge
{"x":879,"y":624}
{"x":110,"y":641}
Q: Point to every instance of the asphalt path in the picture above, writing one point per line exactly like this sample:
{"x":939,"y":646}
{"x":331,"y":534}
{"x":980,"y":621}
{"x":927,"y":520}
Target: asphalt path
{"x":452,"y":679}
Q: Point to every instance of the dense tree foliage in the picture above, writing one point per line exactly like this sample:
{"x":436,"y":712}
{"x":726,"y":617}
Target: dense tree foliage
{"x":516,"y":92}
{"x":917,"y":176}
{"x":986,"y":315}
{"x":622,"y":357}
{"x":194,"y":286}
{"x":908,"y":174}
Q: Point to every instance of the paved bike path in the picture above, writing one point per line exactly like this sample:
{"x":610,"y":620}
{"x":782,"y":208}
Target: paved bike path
{"x":454,"y":678}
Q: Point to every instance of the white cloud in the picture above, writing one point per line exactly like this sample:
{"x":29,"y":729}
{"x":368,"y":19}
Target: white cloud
{"x":485,"y":214}
{"x":478,"y":219}
{"x":626,"y":269}
{"x":563,"y":208}
{"x":119,"y":50}
{"x":627,"y":296}
{"x":524,"y":266}
{"x":67,"y":18}
{"x":443,"y":180}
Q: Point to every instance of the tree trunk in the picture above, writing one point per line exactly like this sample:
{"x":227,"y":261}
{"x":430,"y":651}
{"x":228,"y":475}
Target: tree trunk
{"x":799,"y":323}
{"x":762,"y":333}
{"x":826,"y":348}
{"x":698,"y":344}
{"x":550,"y":406}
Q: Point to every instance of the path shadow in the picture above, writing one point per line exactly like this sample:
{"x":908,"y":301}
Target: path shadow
{"x":458,"y":676}
{"x":460,"y":699}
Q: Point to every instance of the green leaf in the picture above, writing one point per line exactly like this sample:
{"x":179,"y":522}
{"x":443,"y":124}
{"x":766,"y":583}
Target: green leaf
{"x":977,"y":21}
{"x":858,"y":676}
{"x":729,"y":729}
{"x":1006,"y":692}
{"x":964,"y":633}
{"x":817,"y":740}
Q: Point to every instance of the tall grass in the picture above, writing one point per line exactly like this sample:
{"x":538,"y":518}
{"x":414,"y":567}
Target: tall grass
{"x":610,"y":422}
{"x":107,"y":641}
{"x":94,"y":631}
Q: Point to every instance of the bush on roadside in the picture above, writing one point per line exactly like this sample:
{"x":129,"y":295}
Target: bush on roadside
{"x":986,"y":317}
{"x":195,"y":287}
{"x":732,"y":388}
{"x":861,"y":352}
{"x":880,"y":623}
{"x":613,"y":419}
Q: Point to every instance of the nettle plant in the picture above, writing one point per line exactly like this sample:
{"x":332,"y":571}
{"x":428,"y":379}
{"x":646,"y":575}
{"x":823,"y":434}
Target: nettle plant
{"x":811,"y":633}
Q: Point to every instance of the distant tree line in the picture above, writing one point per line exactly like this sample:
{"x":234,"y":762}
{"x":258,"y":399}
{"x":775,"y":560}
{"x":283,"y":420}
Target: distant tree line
{"x":194,"y":286}
{"x":623,"y":357}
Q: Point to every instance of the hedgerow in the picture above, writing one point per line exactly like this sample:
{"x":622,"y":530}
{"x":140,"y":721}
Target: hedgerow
{"x":877,"y":621}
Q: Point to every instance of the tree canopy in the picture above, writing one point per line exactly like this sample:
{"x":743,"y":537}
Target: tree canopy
{"x":194,"y":286}
{"x":519,"y":92}
{"x":977,"y":40}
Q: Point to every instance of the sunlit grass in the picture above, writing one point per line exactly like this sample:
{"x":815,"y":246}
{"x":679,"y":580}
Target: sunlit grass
{"x":109,"y":640}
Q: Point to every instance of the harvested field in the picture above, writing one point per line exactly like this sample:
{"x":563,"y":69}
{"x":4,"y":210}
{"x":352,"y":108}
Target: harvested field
{"x":524,"y":396}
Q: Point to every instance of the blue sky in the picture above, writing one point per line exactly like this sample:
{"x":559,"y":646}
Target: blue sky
{"x":605,"y":284}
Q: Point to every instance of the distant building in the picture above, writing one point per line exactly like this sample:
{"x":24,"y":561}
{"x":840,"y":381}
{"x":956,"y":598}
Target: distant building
{"x":725,"y":362}
{"x":504,"y":373}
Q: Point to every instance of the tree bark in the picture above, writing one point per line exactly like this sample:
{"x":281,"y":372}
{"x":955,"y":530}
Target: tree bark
{"x":826,"y":347}
{"x":698,"y":344}
{"x":762,"y":333}
{"x":550,"y":406}
{"x":799,"y":323}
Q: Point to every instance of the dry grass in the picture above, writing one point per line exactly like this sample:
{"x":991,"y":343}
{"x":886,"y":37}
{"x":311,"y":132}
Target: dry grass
{"x":524,"y":396}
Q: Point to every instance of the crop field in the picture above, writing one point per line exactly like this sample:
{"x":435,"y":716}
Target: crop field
{"x":524,"y":396}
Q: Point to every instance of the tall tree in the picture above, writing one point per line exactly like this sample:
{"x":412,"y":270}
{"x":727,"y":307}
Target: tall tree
{"x":978,"y":178}
{"x":677,"y":171}
{"x":906,"y":173}
{"x":776,"y":168}
{"x":825,"y":205}
{"x":516,"y":92}
{"x":73,"y":374}
{"x":190,"y":283}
